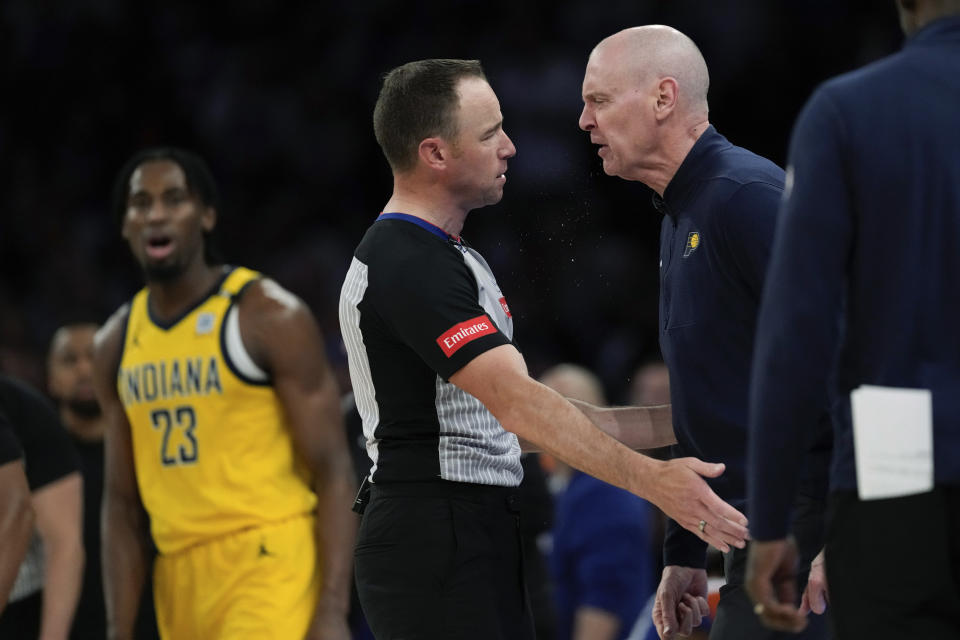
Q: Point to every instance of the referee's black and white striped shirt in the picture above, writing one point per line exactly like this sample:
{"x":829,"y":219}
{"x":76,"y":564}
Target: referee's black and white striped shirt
{"x":415,"y":308}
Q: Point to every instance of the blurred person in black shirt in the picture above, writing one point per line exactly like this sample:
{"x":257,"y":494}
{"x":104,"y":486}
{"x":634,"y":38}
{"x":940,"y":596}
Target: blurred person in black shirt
{"x":16,"y":516}
{"x":47,"y":587}
{"x":70,"y":384}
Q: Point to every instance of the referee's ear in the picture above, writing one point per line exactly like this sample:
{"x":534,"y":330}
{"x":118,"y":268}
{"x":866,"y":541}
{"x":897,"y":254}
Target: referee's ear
{"x":434,"y":153}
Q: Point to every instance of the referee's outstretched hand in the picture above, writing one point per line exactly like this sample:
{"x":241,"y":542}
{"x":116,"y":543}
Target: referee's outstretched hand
{"x":684,"y":495}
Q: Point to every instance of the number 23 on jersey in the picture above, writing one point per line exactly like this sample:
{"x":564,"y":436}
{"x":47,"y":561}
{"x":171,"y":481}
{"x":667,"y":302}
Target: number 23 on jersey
{"x":179,"y":442}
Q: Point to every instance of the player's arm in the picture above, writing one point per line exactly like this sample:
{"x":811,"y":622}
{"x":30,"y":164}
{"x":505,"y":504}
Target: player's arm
{"x":124,"y":545}
{"x":498,"y":378}
{"x":59,"y":511}
{"x":282,"y":336}
{"x":638,"y":428}
{"x":16,"y":524}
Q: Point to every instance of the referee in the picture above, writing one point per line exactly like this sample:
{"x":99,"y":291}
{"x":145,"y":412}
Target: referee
{"x":445,"y":396}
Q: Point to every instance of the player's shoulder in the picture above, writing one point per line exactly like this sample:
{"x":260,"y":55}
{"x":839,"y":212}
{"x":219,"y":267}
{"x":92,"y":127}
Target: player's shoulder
{"x":109,"y":338}
{"x":276,"y":324}
{"x":264,"y":296}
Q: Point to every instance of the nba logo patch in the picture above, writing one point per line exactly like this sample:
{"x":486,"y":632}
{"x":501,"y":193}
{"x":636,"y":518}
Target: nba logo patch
{"x":205,"y":323}
{"x":693,"y":241}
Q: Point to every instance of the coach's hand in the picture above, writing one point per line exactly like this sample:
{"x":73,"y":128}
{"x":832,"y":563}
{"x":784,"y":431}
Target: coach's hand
{"x":771,"y":584}
{"x":683,"y":495}
{"x":681,"y":602}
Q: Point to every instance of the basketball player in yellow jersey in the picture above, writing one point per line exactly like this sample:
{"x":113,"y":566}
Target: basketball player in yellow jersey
{"x":223,"y":426}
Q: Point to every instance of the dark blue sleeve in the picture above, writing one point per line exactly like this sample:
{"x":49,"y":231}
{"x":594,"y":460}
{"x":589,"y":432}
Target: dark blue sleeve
{"x":799,"y":316}
{"x":682,"y":548}
{"x":748,"y":220}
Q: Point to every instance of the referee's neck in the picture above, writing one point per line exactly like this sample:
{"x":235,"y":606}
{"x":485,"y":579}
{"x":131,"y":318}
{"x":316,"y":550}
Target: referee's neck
{"x":436,"y":208}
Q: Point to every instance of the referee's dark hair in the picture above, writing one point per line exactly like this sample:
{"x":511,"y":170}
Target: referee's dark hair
{"x":200,"y":184}
{"x":419,"y":100}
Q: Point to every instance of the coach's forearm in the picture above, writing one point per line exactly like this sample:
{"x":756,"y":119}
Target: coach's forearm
{"x":636,"y":427}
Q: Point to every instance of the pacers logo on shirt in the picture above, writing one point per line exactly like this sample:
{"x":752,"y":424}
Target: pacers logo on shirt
{"x":693,"y":241}
{"x":460,"y":334}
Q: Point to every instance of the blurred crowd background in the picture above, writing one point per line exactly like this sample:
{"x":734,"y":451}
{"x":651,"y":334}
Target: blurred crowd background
{"x":278,"y":97}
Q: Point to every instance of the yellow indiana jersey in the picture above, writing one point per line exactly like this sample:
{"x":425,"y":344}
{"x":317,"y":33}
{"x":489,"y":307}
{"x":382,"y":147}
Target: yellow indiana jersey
{"x":211,"y":445}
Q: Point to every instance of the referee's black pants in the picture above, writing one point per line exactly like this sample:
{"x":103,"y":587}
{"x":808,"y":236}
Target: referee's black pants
{"x":893,"y":565}
{"x":442,"y":560}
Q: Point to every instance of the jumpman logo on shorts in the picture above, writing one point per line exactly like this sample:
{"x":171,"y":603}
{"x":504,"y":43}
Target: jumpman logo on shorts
{"x":263,"y":551}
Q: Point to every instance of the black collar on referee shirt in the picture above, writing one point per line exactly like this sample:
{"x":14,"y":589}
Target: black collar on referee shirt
{"x":420,"y":222}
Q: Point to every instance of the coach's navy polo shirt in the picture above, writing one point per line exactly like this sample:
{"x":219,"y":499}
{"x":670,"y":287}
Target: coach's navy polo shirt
{"x":864,"y":284}
{"x":720,"y":211}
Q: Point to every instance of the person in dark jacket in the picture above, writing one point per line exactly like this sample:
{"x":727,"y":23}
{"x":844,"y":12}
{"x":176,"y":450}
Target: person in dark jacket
{"x":645,"y":105}
{"x":864,"y":293}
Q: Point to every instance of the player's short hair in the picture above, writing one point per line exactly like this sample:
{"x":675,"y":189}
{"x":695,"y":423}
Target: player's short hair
{"x":419,"y":100}
{"x":200,"y":184}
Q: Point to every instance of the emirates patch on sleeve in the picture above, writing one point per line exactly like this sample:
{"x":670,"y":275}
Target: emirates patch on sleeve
{"x":460,"y":334}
